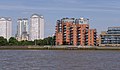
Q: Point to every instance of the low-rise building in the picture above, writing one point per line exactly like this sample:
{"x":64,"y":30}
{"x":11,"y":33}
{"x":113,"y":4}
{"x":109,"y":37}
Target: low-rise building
{"x":111,"y":37}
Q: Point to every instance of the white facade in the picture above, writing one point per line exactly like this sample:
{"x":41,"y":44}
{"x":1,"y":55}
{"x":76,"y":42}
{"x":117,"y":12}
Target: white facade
{"x":83,"y":21}
{"x":22,"y":29}
{"x":19,"y":29}
{"x":36,"y":27}
{"x":6,"y":27}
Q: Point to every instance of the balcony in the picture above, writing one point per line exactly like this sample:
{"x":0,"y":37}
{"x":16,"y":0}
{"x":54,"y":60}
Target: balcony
{"x":78,"y":37}
{"x":86,"y":39}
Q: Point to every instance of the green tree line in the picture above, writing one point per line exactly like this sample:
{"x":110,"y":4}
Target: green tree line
{"x":14,"y":42}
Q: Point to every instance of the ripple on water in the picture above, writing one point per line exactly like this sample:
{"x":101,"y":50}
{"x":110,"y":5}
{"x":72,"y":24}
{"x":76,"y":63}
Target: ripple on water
{"x":59,"y":60}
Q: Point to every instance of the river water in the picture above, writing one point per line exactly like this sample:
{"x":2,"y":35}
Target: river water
{"x":59,"y":60}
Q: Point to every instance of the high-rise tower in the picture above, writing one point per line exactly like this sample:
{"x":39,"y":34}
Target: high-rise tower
{"x":22,"y":29}
{"x":36,"y":27}
{"x":5,"y":27}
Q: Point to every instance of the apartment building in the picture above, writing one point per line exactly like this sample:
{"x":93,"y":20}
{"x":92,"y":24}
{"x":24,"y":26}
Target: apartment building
{"x":71,"y":31}
{"x":36,"y":27}
{"x":6,"y":27}
{"x":111,"y":37}
{"x":22,"y":29}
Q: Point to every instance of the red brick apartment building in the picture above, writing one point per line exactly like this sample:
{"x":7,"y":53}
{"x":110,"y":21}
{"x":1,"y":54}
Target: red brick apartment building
{"x":71,"y":31}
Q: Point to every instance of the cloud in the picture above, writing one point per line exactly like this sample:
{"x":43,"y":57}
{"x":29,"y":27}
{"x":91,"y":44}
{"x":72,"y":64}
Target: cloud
{"x":86,"y":8}
{"x":66,"y":1}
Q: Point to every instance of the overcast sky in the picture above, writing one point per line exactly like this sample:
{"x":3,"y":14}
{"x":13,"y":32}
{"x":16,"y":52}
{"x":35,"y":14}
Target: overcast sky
{"x":102,"y":13}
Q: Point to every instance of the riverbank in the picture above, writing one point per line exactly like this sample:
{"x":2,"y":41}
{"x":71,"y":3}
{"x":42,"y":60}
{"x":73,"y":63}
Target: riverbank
{"x":57,"y":48}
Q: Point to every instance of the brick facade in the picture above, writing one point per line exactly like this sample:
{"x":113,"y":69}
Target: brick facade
{"x":71,"y":31}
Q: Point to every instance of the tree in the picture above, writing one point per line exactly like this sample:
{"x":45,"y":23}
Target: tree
{"x":29,"y":42}
{"x":39,"y":42}
{"x":49,"y":40}
{"x":3,"y":41}
{"x":13,"y":41}
{"x":25,"y":43}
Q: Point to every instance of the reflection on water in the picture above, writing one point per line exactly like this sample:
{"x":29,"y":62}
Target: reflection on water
{"x":59,"y":60}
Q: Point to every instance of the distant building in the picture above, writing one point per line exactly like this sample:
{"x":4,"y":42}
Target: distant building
{"x":5,"y":27}
{"x":111,"y":37}
{"x":71,"y":31}
{"x":98,"y":40}
{"x":22,"y":29}
{"x":36,"y":27}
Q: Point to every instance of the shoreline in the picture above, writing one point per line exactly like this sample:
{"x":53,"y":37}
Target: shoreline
{"x":56,"y":48}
